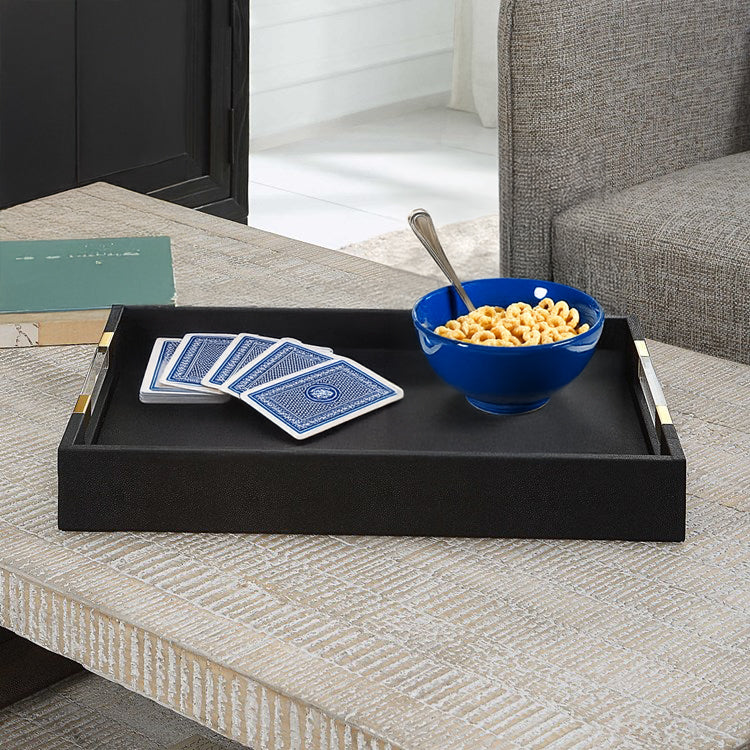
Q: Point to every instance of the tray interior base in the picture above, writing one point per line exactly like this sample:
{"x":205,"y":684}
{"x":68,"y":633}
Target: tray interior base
{"x":596,"y":414}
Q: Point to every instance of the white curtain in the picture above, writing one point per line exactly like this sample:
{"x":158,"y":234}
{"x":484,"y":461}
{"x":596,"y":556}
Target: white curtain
{"x":475,"y":59}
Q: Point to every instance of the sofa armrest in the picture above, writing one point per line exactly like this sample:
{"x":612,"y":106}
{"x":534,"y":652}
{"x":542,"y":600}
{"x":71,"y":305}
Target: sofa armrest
{"x":599,"y":95}
{"x":673,"y":251}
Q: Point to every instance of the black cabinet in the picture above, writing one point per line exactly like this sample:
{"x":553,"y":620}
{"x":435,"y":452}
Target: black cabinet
{"x":151,"y":95}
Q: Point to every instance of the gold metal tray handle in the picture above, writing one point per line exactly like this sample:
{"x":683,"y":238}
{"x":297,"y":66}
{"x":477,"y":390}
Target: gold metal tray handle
{"x":94,"y":379}
{"x":652,"y":390}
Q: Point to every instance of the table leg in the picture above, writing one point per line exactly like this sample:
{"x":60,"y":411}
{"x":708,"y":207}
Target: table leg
{"x":26,"y":667}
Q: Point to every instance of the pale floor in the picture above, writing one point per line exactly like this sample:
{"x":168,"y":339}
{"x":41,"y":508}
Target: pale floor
{"x":362,"y":181}
{"x":86,"y":712}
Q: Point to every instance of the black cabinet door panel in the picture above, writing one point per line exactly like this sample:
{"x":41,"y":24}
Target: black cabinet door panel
{"x":154,"y":93}
{"x":37,"y":98}
{"x":131,"y":84}
{"x":145,"y":94}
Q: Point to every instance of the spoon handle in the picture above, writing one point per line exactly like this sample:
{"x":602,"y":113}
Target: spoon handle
{"x":421,"y":224}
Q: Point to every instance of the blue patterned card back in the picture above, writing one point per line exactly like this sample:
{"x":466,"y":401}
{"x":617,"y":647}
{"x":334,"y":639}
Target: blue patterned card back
{"x":168,"y":348}
{"x":284,"y":358}
{"x":245,"y":349}
{"x":323,"y":397}
{"x":198,"y":356}
{"x":153,"y":390}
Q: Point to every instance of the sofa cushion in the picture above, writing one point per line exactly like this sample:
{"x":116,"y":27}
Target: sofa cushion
{"x":673,"y":251}
{"x":596,"y":96}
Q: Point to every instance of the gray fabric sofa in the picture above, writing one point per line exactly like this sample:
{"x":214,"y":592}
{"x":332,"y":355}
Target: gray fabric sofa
{"x":623,"y":127}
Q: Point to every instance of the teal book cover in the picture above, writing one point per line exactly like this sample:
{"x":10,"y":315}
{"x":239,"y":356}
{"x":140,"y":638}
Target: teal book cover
{"x":87,"y":274}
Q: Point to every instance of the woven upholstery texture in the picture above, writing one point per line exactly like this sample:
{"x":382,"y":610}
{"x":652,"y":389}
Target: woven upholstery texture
{"x":674,"y":252}
{"x":599,"y":95}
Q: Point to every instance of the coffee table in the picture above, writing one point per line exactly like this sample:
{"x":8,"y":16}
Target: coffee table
{"x":381,"y":643}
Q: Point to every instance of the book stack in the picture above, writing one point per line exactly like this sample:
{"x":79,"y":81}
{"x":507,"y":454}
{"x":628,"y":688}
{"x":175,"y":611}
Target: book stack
{"x":60,"y":291}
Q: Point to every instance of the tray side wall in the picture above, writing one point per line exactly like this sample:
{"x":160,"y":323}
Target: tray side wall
{"x":590,"y":497}
{"x":110,"y":488}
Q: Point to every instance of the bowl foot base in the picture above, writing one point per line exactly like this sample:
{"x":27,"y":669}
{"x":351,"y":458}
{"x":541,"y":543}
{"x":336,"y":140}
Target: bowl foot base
{"x":506,"y":408}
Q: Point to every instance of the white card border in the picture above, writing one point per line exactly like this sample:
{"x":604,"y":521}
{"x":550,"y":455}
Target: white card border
{"x":206,"y":380}
{"x":398,"y":395}
{"x":267,"y":353}
{"x":184,"y":343}
{"x":148,"y":395}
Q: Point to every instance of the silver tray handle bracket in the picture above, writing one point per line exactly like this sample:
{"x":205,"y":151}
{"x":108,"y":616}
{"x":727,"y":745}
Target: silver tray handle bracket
{"x":654,"y":395}
{"x":94,"y":379}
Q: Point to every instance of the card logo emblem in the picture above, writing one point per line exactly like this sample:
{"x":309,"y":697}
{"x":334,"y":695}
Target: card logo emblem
{"x":323,"y":393}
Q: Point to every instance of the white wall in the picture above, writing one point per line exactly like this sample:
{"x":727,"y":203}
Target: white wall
{"x":315,"y":61}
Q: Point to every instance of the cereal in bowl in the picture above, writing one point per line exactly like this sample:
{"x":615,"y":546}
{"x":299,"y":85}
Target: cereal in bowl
{"x":519,"y":324}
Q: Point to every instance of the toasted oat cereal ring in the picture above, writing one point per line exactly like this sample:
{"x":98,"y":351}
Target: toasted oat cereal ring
{"x":562,"y":309}
{"x":531,"y":338}
{"x":448,"y":333}
{"x":546,"y":304}
{"x":469,"y":327}
{"x":574,"y":317}
{"x":481,"y":336}
{"x":582,"y":329}
{"x":453,"y":325}
{"x":500,"y":332}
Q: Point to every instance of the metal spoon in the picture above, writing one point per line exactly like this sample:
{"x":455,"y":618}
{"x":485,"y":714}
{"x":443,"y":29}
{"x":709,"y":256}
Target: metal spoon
{"x":421,"y":224}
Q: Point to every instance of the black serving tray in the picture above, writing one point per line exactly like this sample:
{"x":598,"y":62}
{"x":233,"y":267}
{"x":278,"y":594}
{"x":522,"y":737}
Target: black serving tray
{"x":601,"y":460}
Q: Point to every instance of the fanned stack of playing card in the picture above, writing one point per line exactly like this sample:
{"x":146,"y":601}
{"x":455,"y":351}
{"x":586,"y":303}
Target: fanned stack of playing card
{"x":301,"y":388}
{"x":153,"y":392}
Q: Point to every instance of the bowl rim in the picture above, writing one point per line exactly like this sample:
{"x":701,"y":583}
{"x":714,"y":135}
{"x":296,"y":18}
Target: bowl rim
{"x":518,"y":350}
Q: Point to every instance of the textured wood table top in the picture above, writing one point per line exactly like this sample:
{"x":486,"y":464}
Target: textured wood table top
{"x":382,"y":643}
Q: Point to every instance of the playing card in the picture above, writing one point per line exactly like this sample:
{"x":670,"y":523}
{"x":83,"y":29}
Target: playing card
{"x":195,"y":355}
{"x":323,"y":396}
{"x":244,"y":349}
{"x":153,"y":393}
{"x":285,"y":357}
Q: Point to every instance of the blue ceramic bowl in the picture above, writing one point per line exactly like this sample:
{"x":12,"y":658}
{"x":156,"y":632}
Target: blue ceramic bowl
{"x":506,"y":380}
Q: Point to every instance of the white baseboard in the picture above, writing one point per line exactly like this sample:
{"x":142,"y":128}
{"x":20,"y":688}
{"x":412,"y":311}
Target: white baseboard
{"x":338,"y":124}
